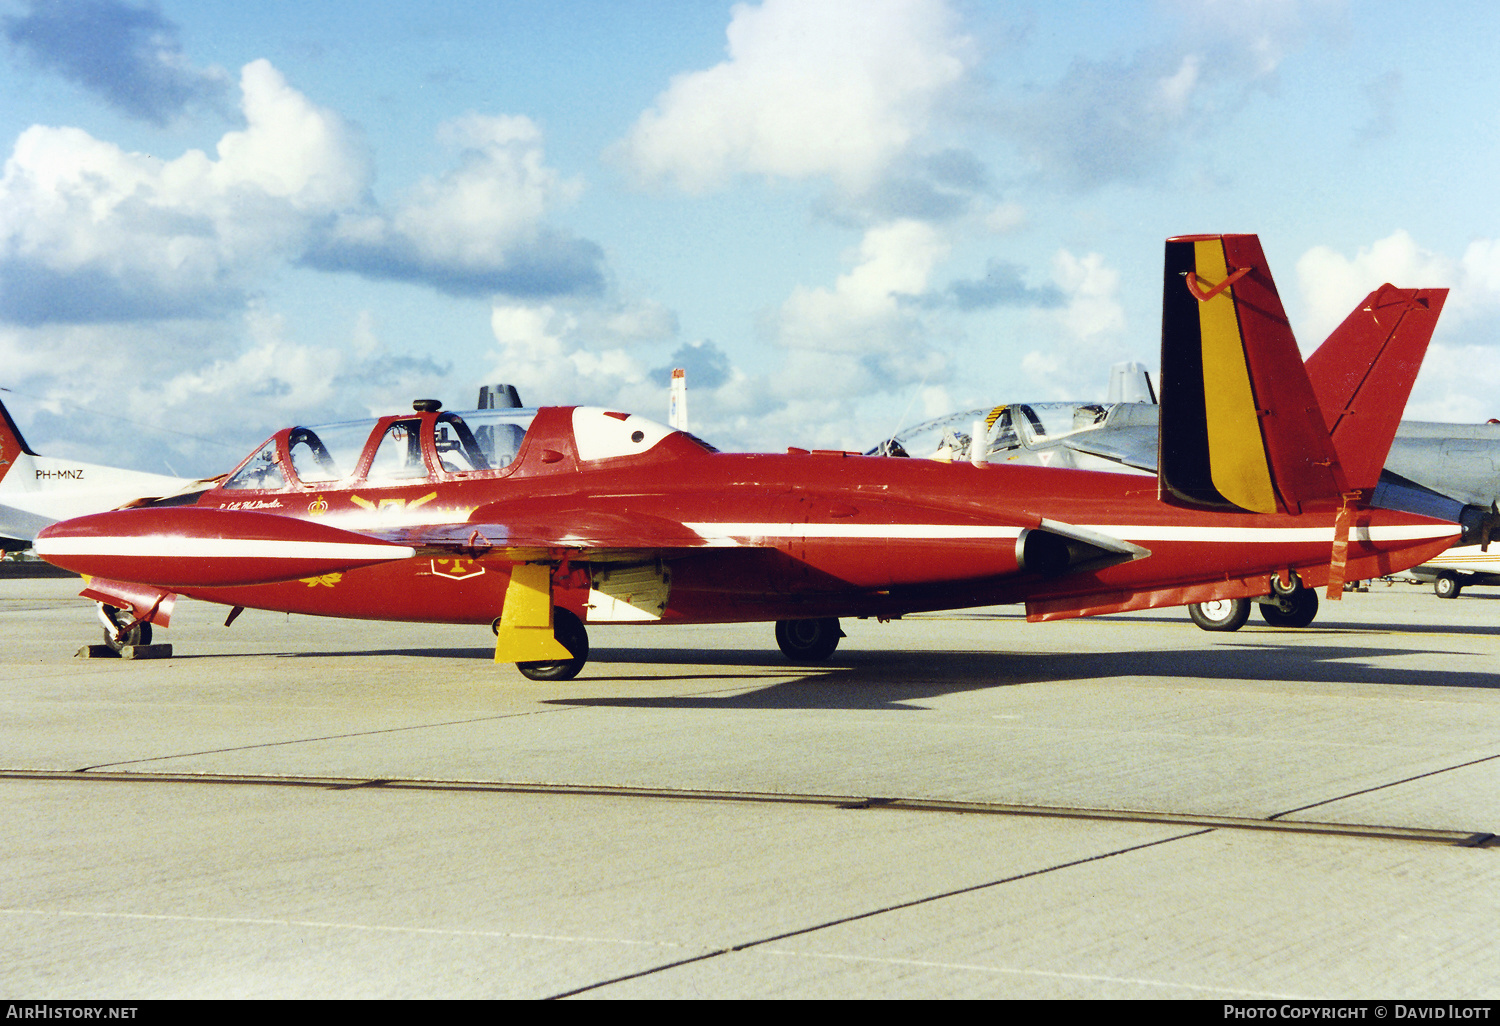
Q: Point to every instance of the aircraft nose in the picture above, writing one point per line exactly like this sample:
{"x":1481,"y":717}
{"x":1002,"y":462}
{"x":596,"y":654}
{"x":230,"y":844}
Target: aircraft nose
{"x":186,"y":547}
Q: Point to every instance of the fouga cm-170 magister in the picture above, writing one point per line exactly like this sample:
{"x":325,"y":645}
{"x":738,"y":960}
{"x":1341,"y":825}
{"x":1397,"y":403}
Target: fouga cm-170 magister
{"x":541,"y":522}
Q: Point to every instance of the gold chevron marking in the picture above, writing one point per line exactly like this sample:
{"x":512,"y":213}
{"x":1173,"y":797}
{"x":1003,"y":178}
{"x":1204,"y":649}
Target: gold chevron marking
{"x":382,"y":505}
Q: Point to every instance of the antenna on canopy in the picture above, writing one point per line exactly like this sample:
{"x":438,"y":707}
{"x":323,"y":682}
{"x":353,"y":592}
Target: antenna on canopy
{"x":499,"y":397}
{"x":901,"y":422}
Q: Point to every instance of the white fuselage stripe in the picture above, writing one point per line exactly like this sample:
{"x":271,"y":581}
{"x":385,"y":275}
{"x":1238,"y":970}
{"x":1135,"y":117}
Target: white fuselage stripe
{"x":1127,"y":532}
{"x":167,"y":547}
{"x":909,"y":531}
{"x":1240,"y":535}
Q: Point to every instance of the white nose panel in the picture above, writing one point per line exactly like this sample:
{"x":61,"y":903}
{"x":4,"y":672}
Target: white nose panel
{"x":605,"y":434}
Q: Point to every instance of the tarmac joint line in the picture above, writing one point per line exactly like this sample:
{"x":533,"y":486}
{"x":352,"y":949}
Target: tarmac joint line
{"x":898,"y":906}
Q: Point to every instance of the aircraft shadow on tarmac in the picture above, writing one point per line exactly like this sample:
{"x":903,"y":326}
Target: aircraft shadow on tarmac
{"x":885,"y":679}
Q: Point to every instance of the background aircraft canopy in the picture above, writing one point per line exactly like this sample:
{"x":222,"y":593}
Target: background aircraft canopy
{"x":1006,"y":429}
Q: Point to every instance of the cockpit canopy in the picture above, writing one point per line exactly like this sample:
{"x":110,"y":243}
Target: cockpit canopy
{"x":430,"y":445}
{"x":388,"y":451}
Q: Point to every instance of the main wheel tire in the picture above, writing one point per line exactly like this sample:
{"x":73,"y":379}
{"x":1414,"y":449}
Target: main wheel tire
{"x":140,"y":634}
{"x":570,"y":632}
{"x":1220,"y":614}
{"x":808,"y":641}
{"x":1304,"y":608}
{"x":1447,"y":585}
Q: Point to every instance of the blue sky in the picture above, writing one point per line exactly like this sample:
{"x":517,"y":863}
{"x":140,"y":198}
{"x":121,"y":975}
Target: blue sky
{"x":840,"y":215}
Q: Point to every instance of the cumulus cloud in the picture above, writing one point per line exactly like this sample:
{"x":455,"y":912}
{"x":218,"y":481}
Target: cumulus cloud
{"x":478,"y":229}
{"x":192,"y":397}
{"x":838,"y":88}
{"x":1002,"y":284}
{"x":849,"y":347}
{"x":1331,"y":284}
{"x":1459,"y":373}
{"x":554,"y":360}
{"x":1458,"y":383}
{"x":126,"y":53}
{"x":128,"y":282}
{"x":867,"y":309}
{"x":1128,"y":118}
{"x":1107,"y":120}
{"x":90,"y":232}
{"x":559,"y":356}
{"x":1088,"y":329}
{"x":707,"y":366}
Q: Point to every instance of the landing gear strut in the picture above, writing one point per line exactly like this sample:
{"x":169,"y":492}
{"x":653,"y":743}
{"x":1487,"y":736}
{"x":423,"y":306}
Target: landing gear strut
{"x":570,"y":632}
{"x":1288,"y":605}
{"x":115,"y":618}
{"x":808,"y":641}
{"x":1292,"y":605}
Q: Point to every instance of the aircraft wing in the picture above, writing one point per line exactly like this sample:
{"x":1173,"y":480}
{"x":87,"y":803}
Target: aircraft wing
{"x":843,"y":538}
{"x":1128,"y":446}
{"x":527,"y":534}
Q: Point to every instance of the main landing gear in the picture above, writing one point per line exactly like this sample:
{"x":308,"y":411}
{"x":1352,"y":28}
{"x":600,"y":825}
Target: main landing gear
{"x":808,"y":641}
{"x":1294,"y":605}
{"x":1295,"y":608}
{"x":570,"y":632}
{"x":1220,"y":614}
{"x":803,"y":641}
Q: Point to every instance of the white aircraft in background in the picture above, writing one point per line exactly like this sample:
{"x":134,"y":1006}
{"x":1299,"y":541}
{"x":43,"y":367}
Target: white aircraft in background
{"x":1459,"y":568}
{"x":36,"y":491}
{"x":1456,"y":463}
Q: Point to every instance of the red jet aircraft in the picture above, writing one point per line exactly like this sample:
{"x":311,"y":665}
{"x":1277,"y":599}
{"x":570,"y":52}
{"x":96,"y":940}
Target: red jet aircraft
{"x":541,"y":521}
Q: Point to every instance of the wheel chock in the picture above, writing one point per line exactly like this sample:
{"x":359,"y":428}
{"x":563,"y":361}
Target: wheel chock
{"x":128,"y":652}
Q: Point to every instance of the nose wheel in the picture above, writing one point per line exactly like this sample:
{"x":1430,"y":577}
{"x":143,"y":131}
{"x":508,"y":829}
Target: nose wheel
{"x":114,"y":619}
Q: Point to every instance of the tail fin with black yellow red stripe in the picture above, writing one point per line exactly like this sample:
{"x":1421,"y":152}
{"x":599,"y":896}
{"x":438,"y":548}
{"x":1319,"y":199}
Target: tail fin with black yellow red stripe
{"x":1241,"y":428}
{"x":1245,"y":426}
